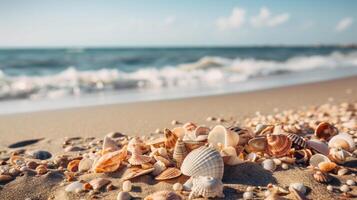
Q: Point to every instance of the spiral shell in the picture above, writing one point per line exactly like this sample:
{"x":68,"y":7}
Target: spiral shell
{"x":164,"y":195}
{"x":325,"y":131}
{"x":316,"y":159}
{"x":278,"y":145}
{"x":298,"y":142}
{"x":221,"y":135}
{"x":257,"y":144}
{"x":206,"y":187}
{"x":204,"y":161}
{"x":110,"y":162}
{"x":322,"y":177}
{"x":180,"y":152}
{"x":342,"y":140}
{"x":169,"y":173}
{"x":318,"y":146}
{"x":171,"y":139}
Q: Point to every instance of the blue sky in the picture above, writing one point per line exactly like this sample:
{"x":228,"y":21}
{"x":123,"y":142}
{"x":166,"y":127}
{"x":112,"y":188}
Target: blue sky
{"x":47,"y":23}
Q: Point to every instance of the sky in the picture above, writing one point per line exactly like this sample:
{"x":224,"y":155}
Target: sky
{"x":127,"y":23}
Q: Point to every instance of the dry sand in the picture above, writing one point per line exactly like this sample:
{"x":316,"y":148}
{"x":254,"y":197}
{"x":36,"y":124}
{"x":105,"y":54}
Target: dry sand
{"x":144,"y":118}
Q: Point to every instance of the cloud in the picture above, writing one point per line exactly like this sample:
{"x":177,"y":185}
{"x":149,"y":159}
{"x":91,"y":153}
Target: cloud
{"x":266,"y":19}
{"x":235,"y":20}
{"x":169,"y":20}
{"x":344,"y":24}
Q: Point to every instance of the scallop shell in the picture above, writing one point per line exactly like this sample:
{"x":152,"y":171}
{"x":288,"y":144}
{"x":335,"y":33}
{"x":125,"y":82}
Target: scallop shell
{"x":180,"y":152}
{"x":206,"y":187}
{"x":325,"y":131}
{"x":171,"y":139}
{"x":158,"y":168}
{"x":257,"y":144}
{"x":326,"y":166}
{"x":322,"y":177}
{"x":169,"y":173}
{"x":189,"y":127}
{"x":342,"y":140}
{"x":318,"y":146}
{"x":298,"y":142}
{"x":339,"y":155}
{"x":278,"y":145}
{"x":221,"y":135}
{"x":110,"y":162}
{"x":269,"y":164}
{"x":179,"y":132}
{"x":164,"y":195}
{"x":109,"y":145}
{"x":138,"y":159}
{"x":135,"y":172}
{"x":204,"y":161}
{"x":316,"y":159}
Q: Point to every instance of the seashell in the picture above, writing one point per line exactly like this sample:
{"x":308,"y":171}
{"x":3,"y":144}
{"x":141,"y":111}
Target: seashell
{"x":189,"y":127}
{"x":318,"y":146}
{"x":252,"y":157}
{"x":4,"y":178}
{"x":73,"y":187}
{"x":267,"y":130}
{"x":221,"y":135}
{"x":85,"y":164}
{"x":158,"y":168}
{"x":73,"y":165}
{"x":257,"y":144}
{"x":325,"y":131}
{"x":40,"y":154}
{"x":299,"y":187}
{"x":326,"y":166}
{"x":350,"y":182}
{"x":138,"y":159}
{"x":109,"y":145}
{"x":298,"y":142}
{"x":164,"y":195}
{"x":115,"y":135}
{"x":136,"y":144}
{"x":342,"y":140}
{"x":187,"y":186}
{"x":342,"y":171}
{"x":302,"y":156}
{"x":135,"y":172}
{"x":41,"y":169}
{"x":259,"y":128}
{"x":316,"y":159}
{"x":286,"y":159}
{"x":244,"y":134}
{"x":98,"y":183}
{"x":127,"y":186}
{"x":201,"y":130}
{"x":229,"y":155}
{"x":171,"y":139}
{"x":110,"y":162}
{"x":87,"y":186}
{"x":344,"y":188}
{"x":123,"y":196}
{"x":179,"y":132}
{"x":269,"y":164}
{"x":339,"y":155}
{"x":191,"y":145}
{"x":206,"y":187}
{"x":177,"y":187}
{"x":204,"y":161}
{"x":17,"y":160}
{"x":157,"y":143}
{"x":248,"y":195}
{"x":322,"y":177}
{"x":180,"y":152}
{"x":278,"y":145}
{"x":169,"y":173}
{"x":163,"y":160}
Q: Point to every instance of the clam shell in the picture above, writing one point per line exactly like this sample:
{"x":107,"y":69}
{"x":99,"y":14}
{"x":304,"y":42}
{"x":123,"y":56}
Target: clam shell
{"x":269,"y":164}
{"x":74,"y":186}
{"x":257,"y":144}
{"x":180,"y":152}
{"x":99,"y":183}
{"x":339,"y":155}
{"x":318,"y":146}
{"x":164,"y":195}
{"x":109,"y":145}
{"x":138,"y":159}
{"x":110,"y":162}
{"x":169,"y":173}
{"x":316,"y":159}
{"x":326,"y":166}
{"x":158,"y":168}
{"x":322,"y":177}
{"x":342,"y":140}
{"x":171,"y":139}
{"x":135,"y":172}
{"x":298,"y":142}
{"x":221,"y":135}
{"x":278,"y":145}
{"x":204,"y":161}
{"x":325,"y":131}
{"x":207,"y":187}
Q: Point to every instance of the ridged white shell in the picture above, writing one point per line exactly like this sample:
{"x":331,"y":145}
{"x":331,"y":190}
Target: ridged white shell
{"x":318,"y":146}
{"x":221,"y":135}
{"x":338,"y":140}
{"x":316,"y":159}
{"x":204,"y":161}
{"x":206,"y":187}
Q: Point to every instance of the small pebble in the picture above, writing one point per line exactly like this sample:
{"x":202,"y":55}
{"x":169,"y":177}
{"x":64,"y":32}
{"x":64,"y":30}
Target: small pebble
{"x":40,"y":154}
{"x":277,"y":161}
{"x":123,"y":196}
{"x":350,"y":182}
{"x":344,"y":188}
{"x":209,"y":119}
{"x":127,"y":186}
{"x":299,"y":187}
{"x":177,"y":187}
{"x":342,"y":171}
{"x":248,"y":195}
{"x":157,"y":130}
{"x":285,"y":166}
{"x":329,"y":188}
{"x":174,"y":122}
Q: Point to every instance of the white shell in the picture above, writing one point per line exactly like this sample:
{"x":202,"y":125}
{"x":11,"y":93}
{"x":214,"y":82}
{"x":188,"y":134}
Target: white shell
{"x":318,"y":158}
{"x":269,"y":164}
{"x":299,"y":187}
{"x":109,"y":144}
{"x":123,"y":196}
{"x":342,"y":136}
{"x":318,"y":146}
{"x":339,"y":155}
{"x":204,"y":161}
{"x":85,"y":164}
{"x":177,"y":187}
{"x":127,"y":185}
{"x":206,"y":187}
{"x":73,"y":187}
{"x":187,"y":186}
{"x":221,"y":135}
{"x":158,"y":168}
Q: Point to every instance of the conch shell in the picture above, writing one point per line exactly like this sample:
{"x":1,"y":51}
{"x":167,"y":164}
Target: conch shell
{"x":278,"y":145}
{"x":180,"y":152}
{"x":221,"y":135}
{"x":110,"y":162}
{"x":206,"y":187}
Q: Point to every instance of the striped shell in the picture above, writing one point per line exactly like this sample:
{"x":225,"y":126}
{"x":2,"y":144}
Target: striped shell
{"x":298,"y":142}
{"x":220,"y":134}
{"x":322,"y":177}
{"x":278,"y":145}
{"x":171,"y":139}
{"x":318,"y":146}
{"x":316,"y":159}
{"x":257,"y":144}
{"x":110,"y":162}
{"x":135,"y":172}
{"x":180,"y":152}
{"x":138,"y":159}
{"x":342,"y":140}
{"x":204,"y":161}
{"x":158,"y":168}
{"x":169,"y":173}
{"x":164,"y":195}
{"x":206,"y":187}
{"x":325,"y":131}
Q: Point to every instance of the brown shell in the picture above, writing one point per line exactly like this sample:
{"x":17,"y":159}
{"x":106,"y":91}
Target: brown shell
{"x":327,"y":166}
{"x":169,"y":173}
{"x":157,"y":143}
{"x":135,"y":172}
{"x":325,"y":131}
{"x":278,"y":145}
{"x":298,"y":142}
{"x":110,"y":162}
{"x":165,"y":194}
{"x":257,"y":144}
{"x":322,"y":177}
{"x":191,"y":145}
{"x":180,"y":152}
{"x":302,"y":156}
{"x":171,"y":139}
{"x":41,"y":169}
{"x":73,"y":165}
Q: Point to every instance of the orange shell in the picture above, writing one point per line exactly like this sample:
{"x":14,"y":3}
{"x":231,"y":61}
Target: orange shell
{"x":325,"y":131}
{"x":171,"y":139}
{"x":41,"y":169}
{"x":278,"y":145}
{"x":327,"y":166}
{"x":73,"y":165}
{"x":135,"y":172}
{"x":169,"y":173}
{"x":110,"y":162}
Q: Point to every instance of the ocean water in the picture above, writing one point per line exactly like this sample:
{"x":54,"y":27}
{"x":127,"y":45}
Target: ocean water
{"x":35,"y":79}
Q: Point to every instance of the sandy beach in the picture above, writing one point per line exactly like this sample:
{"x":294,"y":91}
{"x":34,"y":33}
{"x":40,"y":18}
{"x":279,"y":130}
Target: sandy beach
{"x":138,"y":119}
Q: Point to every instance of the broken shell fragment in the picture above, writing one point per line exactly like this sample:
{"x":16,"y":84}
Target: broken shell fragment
{"x":318,"y":146}
{"x":257,"y":144}
{"x":169,"y":173}
{"x":221,"y":135}
{"x":136,"y":172}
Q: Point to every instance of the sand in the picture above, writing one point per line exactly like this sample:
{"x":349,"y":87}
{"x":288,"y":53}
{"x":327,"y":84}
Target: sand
{"x":145,"y":117}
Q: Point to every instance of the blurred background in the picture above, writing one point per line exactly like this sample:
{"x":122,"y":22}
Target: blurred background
{"x":56,"y":54}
